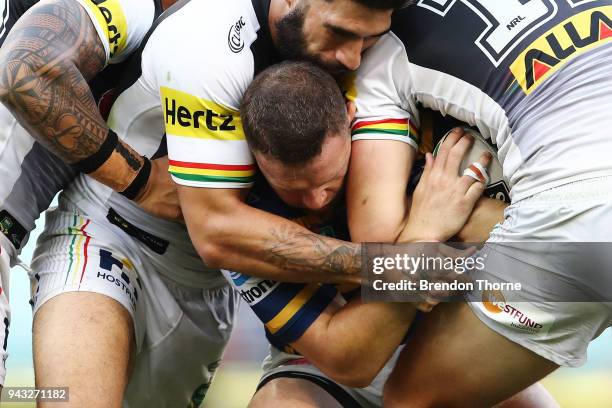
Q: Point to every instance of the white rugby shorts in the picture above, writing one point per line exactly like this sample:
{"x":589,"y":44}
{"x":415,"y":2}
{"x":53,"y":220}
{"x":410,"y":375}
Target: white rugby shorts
{"x":181,"y":331}
{"x":548,"y":243}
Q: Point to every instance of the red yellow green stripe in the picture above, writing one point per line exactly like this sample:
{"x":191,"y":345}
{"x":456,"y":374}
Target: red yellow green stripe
{"x":78,"y":250}
{"x":400,"y":127}
{"x":85,"y":250}
{"x":71,"y":249}
{"x":209,"y":172}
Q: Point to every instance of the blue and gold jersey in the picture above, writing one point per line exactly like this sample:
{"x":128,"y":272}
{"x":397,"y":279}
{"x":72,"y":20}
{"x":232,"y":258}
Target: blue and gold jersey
{"x":288,"y":309}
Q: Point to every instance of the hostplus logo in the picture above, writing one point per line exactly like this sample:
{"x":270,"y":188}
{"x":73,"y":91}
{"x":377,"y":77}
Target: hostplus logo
{"x":234,"y":40}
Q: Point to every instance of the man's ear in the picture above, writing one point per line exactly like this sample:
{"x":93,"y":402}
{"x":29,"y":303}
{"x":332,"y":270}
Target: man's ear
{"x":351,"y":110}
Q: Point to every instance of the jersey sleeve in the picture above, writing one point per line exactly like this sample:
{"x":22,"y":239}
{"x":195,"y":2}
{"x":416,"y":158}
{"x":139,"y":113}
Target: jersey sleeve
{"x":121,"y":24}
{"x":200,"y":82}
{"x":286,"y":309}
{"x":378,"y":90}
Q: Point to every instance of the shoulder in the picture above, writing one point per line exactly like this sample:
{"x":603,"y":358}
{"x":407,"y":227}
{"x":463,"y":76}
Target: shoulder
{"x":204,"y":50}
{"x":121,"y":24}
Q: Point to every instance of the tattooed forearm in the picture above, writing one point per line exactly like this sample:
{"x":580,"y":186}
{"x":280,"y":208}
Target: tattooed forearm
{"x":301,"y":251}
{"x":130,"y":156}
{"x":45,"y":63}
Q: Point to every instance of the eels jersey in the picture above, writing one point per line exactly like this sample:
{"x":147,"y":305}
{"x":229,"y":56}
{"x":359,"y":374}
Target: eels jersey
{"x":31,"y":176}
{"x":534,"y":76}
{"x":288,"y":309}
{"x":181,"y":96}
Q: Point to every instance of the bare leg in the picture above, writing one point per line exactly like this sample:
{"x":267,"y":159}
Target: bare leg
{"x":454,"y":360}
{"x":82,"y":340}
{"x":532,"y":397}
{"x":292,"y":393}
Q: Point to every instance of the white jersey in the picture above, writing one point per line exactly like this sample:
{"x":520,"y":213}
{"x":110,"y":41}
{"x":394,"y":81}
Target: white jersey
{"x":31,"y":176}
{"x":185,"y":94}
{"x":538,"y":86}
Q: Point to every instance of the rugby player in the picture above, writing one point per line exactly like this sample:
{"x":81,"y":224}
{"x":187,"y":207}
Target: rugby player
{"x":32,"y":176}
{"x":327,"y":348}
{"x":210,"y":159}
{"x":99,"y":243}
{"x":533,"y":77}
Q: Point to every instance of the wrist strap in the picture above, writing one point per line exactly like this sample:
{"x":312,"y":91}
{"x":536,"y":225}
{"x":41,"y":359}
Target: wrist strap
{"x":139,"y":181}
{"x":93,"y":162}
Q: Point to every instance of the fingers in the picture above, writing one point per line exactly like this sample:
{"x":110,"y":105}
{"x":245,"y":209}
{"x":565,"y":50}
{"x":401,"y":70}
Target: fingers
{"x":476,"y":173}
{"x":457,"y":153}
{"x":427,"y":169}
{"x":450,"y":141}
{"x":475,"y":191}
{"x":429,"y":163}
{"x":426,"y":306}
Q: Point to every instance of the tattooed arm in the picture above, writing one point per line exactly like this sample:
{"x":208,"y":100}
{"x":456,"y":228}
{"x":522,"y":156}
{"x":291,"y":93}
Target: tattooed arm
{"x":229,"y":234}
{"x":46,"y":61}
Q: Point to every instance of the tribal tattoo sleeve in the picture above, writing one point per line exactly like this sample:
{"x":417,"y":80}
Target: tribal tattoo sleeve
{"x":46,"y":61}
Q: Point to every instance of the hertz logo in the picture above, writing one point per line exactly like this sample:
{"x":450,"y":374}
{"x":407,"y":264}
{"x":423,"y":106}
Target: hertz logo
{"x":569,"y":39}
{"x":183,"y":117}
{"x":188,"y":115}
{"x":110,"y":16}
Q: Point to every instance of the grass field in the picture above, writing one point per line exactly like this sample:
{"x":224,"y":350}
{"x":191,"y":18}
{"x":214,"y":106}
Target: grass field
{"x":584,"y":391}
{"x":236,"y":382}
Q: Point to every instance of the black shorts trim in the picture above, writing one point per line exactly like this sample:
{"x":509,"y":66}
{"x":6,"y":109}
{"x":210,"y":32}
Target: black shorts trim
{"x":333,"y":389}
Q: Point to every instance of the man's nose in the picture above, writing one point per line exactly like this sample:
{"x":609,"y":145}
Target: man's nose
{"x":315,"y":200}
{"x":349,"y":54}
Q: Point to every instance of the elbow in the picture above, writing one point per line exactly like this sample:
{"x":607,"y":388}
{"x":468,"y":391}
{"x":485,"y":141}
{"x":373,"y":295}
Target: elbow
{"x":209,"y":243}
{"x":212,"y":254}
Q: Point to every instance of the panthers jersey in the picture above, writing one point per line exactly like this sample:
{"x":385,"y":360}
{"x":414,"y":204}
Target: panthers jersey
{"x":181,"y":96}
{"x":534,"y":76}
{"x":31,"y":176}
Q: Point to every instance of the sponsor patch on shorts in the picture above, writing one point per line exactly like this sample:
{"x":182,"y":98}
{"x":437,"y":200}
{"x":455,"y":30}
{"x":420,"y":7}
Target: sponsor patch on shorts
{"x":518,"y":316}
{"x":154,"y":243}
